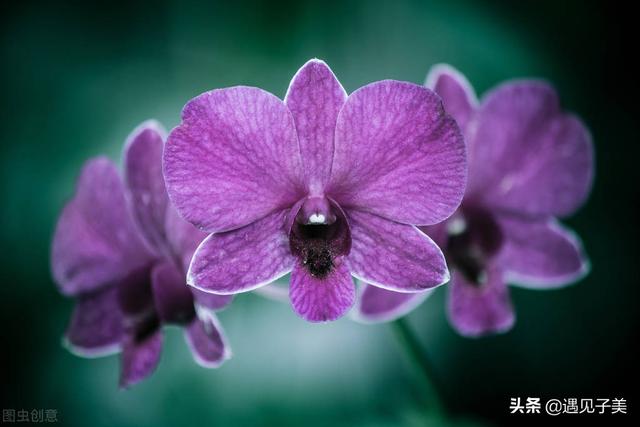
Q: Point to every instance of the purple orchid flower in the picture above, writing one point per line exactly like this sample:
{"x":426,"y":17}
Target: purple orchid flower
{"x":529,"y":162}
{"x":322,"y":185}
{"x":121,"y":251}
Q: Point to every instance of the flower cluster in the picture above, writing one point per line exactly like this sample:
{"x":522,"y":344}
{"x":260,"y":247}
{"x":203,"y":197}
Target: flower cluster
{"x":529,"y":162}
{"x":326,"y":186}
{"x":121,"y":251}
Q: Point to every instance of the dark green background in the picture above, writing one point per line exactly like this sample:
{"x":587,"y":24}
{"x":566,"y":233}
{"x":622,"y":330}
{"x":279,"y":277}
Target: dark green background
{"x":77,"y":77}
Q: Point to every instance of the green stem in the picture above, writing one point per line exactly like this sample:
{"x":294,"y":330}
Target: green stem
{"x":418,"y":357}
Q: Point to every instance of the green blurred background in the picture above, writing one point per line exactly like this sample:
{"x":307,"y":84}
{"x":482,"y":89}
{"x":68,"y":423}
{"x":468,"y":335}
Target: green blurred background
{"x":77,"y":77}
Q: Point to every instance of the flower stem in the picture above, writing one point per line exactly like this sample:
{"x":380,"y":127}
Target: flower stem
{"x":418,"y":358}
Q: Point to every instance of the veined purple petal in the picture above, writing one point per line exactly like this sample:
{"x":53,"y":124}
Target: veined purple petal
{"x":96,"y":327}
{"x":95,"y":241}
{"x":398,"y":154}
{"x":243,"y":259}
{"x":315,"y":97}
{"x":476,"y":310}
{"x":322,"y":299}
{"x":527,"y":155}
{"x":380,"y":305}
{"x":540,"y":254}
{"x":457,"y":94}
{"x":394,"y":256}
{"x":144,"y":180}
{"x":172,"y":297}
{"x":233,"y":160}
{"x":206,"y":340}
{"x":139,"y":358}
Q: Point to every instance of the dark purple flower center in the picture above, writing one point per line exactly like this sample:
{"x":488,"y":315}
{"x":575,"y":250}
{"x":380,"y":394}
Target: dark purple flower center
{"x":473,"y":239}
{"x":142,"y":314}
{"x":319,"y":234}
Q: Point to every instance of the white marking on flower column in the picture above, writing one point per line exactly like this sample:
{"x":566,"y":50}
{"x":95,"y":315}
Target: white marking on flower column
{"x":457,"y":226}
{"x":317,"y":218}
{"x":507,"y":183}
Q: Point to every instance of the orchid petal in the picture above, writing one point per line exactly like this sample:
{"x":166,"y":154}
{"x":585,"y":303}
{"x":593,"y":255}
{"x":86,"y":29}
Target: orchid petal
{"x":244,"y":259}
{"x":206,"y":340}
{"x":96,"y":241}
{"x":541,"y":254}
{"x":527,"y":155}
{"x":315,"y":97}
{"x":456,"y":92}
{"x":145,"y":183}
{"x":233,"y":159}
{"x":96,"y":326}
{"x":480,"y":309}
{"x":398,"y":154}
{"x":322,"y":299}
{"x":139,"y":358}
{"x":394,"y":256}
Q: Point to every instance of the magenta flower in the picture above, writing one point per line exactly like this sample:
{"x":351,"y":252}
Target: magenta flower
{"x":322,"y":185}
{"x":121,"y":251}
{"x":529,"y":162}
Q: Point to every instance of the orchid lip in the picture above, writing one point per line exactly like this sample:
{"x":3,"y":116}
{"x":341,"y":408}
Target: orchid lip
{"x":474,"y":238}
{"x":319,"y":235}
{"x":466,"y":257}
